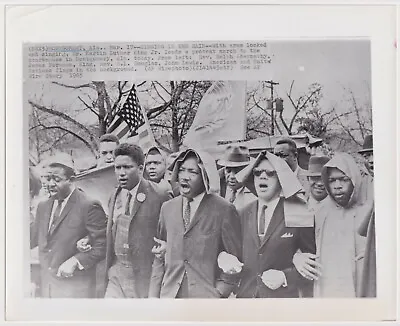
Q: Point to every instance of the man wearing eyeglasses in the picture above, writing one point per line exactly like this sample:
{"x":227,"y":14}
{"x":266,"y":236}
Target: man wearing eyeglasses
{"x":67,"y":216}
{"x":274,"y":227}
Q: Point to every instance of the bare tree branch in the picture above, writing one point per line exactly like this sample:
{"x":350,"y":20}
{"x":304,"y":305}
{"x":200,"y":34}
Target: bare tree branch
{"x":66,"y":118}
{"x":298,"y":109}
{"x":158,"y":93}
{"x":284,"y":123}
{"x":291,"y":88}
{"x":74,"y":87}
{"x":155,"y":112}
{"x":74,"y":134}
{"x":88,"y":106}
{"x":160,"y":125}
{"x":159,"y":84}
{"x":165,"y":149}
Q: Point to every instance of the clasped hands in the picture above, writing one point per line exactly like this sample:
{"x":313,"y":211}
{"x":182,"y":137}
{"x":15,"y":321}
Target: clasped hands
{"x":68,"y":267}
{"x":273,"y":279}
{"x":307,"y":266}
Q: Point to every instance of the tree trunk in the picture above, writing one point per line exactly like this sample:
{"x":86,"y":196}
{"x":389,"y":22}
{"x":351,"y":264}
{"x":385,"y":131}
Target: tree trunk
{"x":175,"y":129}
{"x":101,"y":101}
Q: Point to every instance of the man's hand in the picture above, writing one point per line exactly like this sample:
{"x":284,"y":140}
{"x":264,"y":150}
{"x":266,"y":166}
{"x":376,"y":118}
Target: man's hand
{"x":307,"y":266}
{"x":68,"y":267}
{"x":229,"y":263}
{"x":273,"y":278}
{"x":159,"y":251}
{"x":83,"y":245}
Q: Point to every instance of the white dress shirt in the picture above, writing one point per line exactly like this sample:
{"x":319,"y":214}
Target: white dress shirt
{"x":268,"y":212}
{"x":120,"y":204}
{"x":194,"y":205}
{"x":133,"y":192}
{"x":55,"y":204}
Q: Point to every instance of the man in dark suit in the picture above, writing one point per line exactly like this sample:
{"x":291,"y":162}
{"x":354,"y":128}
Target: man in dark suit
{"x":60,"y":222}
{"x":235,"y":159}
{"x":274,"y":227}
{"x":132,"y":224}
{"x":197,"y":226}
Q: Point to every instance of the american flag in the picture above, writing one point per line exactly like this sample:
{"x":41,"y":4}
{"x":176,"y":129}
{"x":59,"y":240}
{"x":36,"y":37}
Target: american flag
{"x":130,"y":123}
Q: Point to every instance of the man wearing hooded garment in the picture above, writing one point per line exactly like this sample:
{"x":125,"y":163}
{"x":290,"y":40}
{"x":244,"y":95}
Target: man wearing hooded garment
{"x":197,"y":226}
{"x":340,"y":249}
{"x":274,"y":227}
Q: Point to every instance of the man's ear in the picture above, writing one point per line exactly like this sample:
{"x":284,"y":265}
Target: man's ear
{"x":141,"y":168}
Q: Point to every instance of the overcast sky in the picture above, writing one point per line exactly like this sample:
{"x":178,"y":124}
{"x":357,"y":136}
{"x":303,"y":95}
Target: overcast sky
{"x":334,"y":64}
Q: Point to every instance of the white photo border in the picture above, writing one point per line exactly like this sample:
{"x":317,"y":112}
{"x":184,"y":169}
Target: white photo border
{"x":258,"y":22}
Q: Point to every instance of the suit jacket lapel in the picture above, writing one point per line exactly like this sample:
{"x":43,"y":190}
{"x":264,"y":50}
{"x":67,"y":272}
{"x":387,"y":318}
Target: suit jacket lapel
{"x":47,"y":215}
{"x":276,"y":219}
{"x":111,"y":207}
{"x":253,"y":222}
{"x":198,"y":213}
{"x":70,"y":203}
{"x":136,"y":204}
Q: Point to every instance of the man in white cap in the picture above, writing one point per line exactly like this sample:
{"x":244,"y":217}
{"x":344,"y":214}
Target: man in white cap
{"x":198,"y":227}
{"x":67,"y":216}
{"x":235,"y":159}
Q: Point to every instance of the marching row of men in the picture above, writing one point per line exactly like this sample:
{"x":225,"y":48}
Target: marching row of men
{"x":257,"y":228}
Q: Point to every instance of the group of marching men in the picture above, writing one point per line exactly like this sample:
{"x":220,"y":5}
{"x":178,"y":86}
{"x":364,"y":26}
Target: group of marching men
{"x":177,"y":227}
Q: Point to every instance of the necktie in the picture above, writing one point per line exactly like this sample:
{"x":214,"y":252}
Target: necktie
{"x":261,"y":221}
{"x":56,"y":215}
{"x":186,"y":213}
{"x":128,"y":202}
{"x":232,"y":196}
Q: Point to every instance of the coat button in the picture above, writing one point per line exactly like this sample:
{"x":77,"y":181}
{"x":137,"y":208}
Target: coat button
{"x":186,"y":261}
{"x":49,"y":268}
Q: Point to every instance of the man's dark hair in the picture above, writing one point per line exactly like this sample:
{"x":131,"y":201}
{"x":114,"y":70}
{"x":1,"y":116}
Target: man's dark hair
{"x":109,"y":138}
{"x":133,"y":151}
{"x":153,"y":151}
{"x":290,"y":142}
{"x":68,"y":172}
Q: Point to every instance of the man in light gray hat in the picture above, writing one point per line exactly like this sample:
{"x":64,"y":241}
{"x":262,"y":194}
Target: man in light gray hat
{"x":236,"y":158}
{"x":67,"y":216}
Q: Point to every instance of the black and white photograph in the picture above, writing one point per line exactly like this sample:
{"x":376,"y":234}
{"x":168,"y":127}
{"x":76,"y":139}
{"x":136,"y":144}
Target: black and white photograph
{"x":207,"y":188}
{"x":221,"y":158}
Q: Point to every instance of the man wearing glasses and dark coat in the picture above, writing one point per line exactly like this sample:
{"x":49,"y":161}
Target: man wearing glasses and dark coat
{"x":274,"y":227}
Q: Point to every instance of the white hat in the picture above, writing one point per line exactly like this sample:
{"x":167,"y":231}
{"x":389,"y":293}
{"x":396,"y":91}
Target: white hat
{"x":61,"y":159}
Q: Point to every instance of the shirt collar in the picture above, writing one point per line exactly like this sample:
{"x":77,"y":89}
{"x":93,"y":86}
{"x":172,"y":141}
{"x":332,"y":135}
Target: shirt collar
{"x":271,"y":204}
{"x":297,"y":169}
{"x":67,"y":198}
{"x":134,"y":190}
{"x":198,"y":198}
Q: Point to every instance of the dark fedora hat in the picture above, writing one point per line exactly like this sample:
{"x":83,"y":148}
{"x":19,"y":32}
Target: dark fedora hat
{"x":368,"y":145}
{"x":235,"y":155}
{"x":316,"y":164}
